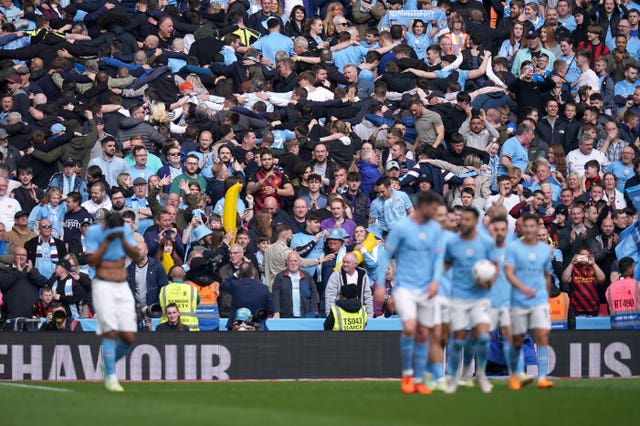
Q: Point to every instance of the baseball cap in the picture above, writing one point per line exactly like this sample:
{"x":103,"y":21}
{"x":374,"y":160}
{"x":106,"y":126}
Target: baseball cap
{"x":69,"y":162}
{"x":3,"y":134}
{"x":139,"y":181}
{"x":340,"y":20}
{"x":22,"y":69}
{"x":57,"y":128}
{"x":337,"y":234}
{"x":86,"y":221}
{"x":64,"y":263}
{"x":20,"y":214}
{"x":201,"y":231}
{"x":243,"y":314}
{"x":186,"y":86}
{"x":14,"y":78}
{"x":563,"y":210}
{"x":532,"y":34}
{"x":98,"y":120}
{"x":392,"y":165}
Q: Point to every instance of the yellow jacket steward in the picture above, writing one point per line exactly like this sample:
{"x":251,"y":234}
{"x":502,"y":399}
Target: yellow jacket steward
{"x":185,"y":297}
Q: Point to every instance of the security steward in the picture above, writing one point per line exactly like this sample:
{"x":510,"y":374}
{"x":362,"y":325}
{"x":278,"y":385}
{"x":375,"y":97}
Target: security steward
{"x":183,"y":295}
{"x":623,"y":297}
{"x":559,"y":306}
{"x":348,"y":314}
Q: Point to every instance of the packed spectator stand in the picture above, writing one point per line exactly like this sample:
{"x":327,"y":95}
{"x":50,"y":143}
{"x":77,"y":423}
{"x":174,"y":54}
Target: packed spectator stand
{"x":332,"y":116}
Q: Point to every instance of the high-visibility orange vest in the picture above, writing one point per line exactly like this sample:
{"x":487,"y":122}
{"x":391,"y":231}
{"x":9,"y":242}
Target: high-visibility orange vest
{"x":559,"y":311}
{"x":623,"y":297}
{"x":207,"y":311}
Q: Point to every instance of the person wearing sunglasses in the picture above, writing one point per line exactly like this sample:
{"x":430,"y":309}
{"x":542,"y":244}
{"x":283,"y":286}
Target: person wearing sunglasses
{"x":44,"y":251}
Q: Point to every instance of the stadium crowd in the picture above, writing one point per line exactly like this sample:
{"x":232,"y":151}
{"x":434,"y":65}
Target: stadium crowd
{"x":332,"y":115}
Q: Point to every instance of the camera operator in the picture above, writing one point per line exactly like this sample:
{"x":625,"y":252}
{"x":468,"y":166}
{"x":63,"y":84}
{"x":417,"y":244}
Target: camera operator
{"x":173,"y":323}
{"x":246,"y":321}
{"x":57,"y":320}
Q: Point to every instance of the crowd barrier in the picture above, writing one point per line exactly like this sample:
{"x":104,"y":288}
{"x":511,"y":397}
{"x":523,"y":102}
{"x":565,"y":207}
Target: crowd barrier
{"x":374,"y":324}
{"x":282,"y":355}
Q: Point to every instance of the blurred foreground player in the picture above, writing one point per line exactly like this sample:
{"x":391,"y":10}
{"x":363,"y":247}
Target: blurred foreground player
{"x":107,"y":245}
{"x":414,"y":237}
{"x":527,"y":266}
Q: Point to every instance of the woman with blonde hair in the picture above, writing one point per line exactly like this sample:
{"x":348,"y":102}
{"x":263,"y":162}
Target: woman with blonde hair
{"x":50,"y":208}
{"x":457,"y":34}
{"x":334,"y":9}
{"x":548,"y":40}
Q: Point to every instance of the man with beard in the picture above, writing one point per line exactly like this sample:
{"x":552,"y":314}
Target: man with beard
{"x":268,"y":181}
{"x":110,"y":165}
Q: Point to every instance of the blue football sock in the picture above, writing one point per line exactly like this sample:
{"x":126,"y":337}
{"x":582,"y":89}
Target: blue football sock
{"x":453,"y":357}
{"x":121,"y":349}
{"x":406,"y":354}
{"x":543,"y":361}
{"x":436,"y":371}
{"x":482,"y":350}
{"x":506,"y":349}
{"x":109,"y":356}
{"x":469,"y":349}
{"x":520,"y":364}
{"x":515,"y":354}
{"x":427,"y":365}
{"x":420,"y":355}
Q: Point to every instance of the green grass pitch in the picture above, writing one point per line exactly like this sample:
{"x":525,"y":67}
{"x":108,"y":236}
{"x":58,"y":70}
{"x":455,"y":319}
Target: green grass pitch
{"x":307,"y":403}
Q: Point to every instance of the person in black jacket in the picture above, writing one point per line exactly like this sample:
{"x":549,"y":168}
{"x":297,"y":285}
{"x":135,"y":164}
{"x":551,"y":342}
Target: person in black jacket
{"x":283,"y":291}
{"x":457,"y":150}
{"x":173,"y":324}
{"x":68,"y":290}
{"x":146,"y":278}
{"x":44,"y":250}
{"x":246,"y":291}
{"x":20,"y":284}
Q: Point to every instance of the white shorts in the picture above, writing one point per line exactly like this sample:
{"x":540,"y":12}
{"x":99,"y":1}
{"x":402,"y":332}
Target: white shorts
{"x":501,"y":317}
{"x":414,"y":304}
{"x":441,"y":310}
{"x":469,"y":313}
{"x":114,"y":305}
{"x":525,"y":319}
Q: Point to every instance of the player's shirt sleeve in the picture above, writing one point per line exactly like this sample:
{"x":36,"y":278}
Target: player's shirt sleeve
{"x":547,"y":263}
{"x":510,"y":255}
{"x":507,"y":149}
{"x":393,"y":239}
{"x":439,"y":253}
{"x":406,"y":200}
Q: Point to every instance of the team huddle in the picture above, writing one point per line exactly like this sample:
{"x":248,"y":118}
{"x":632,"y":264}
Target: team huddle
{"x":436,"y":296}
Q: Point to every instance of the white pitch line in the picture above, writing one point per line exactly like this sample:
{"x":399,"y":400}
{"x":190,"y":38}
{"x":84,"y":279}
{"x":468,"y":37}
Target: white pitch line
{"x":35,"y":387}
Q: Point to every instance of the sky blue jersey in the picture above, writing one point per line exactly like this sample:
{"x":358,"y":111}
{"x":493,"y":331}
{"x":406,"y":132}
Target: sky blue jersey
{"x":445,"y":282}
{"x":501,"y":290}
{"x":115,"y":251}
{"x":463,"y":254}
{"x":530,"y":262}
{"x":419,"y":253}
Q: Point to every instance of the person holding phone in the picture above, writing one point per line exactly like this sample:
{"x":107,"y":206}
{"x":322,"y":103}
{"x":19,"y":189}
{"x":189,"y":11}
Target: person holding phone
{"x":583,"y":275}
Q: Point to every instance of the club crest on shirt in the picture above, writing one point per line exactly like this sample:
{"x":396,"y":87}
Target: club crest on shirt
{"x":532,"y":256}
{"x":469,"y":253}
{"x":422,"y":236}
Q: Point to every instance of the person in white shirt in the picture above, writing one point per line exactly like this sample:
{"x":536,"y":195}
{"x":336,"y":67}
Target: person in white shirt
{"x":505,"y":197}
{"x":587,"y":77}
{"x":98,"y":199}
{"x":8,"y":206}
{"x":577,"y":158}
